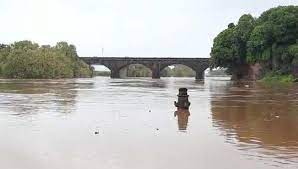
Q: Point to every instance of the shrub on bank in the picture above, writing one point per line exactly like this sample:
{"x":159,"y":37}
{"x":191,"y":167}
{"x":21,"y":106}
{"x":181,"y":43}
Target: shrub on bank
{"x":25,"y":59}
{"x":275,"y":77}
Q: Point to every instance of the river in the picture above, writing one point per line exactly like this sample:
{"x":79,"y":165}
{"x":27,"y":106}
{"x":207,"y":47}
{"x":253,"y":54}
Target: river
{"x":130,"y":124}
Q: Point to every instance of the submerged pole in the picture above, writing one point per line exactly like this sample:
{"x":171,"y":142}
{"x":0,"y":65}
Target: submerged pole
{"x":182,"y":109}
{"x":182,"y":102}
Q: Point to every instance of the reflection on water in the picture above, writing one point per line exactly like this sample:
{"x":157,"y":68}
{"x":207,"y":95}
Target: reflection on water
{"x":142,"y":83}
{"x":50,"y":124}
{"x":20,"y":97}
{"x":182,"y":115}
{"x":262,"y":119}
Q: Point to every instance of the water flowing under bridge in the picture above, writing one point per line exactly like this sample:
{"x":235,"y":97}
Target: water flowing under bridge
{"x":156,"y":65}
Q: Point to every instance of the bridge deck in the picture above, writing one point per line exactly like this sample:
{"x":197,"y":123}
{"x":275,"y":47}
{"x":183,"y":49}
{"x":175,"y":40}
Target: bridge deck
{"x":144,"y":58}
{"x":156,"y":64}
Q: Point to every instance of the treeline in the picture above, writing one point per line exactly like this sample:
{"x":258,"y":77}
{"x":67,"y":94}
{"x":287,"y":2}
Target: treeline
{"x":270,"y":41}
{"x":101,"y":73}
{"x":25,"y":59}
{"x":178,"y":71}
{"x":142,"y":71}
{"x":138,"y":71}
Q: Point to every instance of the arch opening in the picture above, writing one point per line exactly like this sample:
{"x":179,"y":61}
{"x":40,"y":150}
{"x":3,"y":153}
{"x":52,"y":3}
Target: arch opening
{"x":101,"y":70}
{"x":135,"y":70}
{"x":178,"y":70}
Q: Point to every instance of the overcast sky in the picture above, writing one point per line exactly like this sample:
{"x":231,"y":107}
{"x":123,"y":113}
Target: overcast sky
{"x":126,"y":27}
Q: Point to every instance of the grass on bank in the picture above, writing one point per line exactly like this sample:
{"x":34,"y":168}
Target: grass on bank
{"x":278,"y":78}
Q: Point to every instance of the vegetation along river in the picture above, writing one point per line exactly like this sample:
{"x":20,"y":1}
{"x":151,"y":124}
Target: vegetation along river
{"x":130,"y":123}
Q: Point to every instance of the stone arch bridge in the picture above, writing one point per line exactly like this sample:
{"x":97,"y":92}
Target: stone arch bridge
{"x":156,"y":65}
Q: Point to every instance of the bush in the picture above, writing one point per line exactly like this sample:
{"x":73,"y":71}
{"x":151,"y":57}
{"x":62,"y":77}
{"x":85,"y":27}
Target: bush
{"x":275,"y":77}
{"x":25,"y":59}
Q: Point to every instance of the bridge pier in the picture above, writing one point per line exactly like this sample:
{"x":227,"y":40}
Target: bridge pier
{"x":156,"y":74}
{"x":200,"y":75}
{"x":115,"y":73}
{"x":155,"y":68}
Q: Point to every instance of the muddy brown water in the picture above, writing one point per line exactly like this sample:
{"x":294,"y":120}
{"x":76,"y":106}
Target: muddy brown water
{"x":130,"y":124}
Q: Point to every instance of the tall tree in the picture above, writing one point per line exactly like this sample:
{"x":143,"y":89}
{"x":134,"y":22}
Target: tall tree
{"x":269,"y":40}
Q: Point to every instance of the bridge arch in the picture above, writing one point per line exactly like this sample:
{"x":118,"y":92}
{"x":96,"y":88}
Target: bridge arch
{"x":101,"y":70}
{"x":178,"y":70}
{"x":135,"y":70}
{"x":198,"y":67}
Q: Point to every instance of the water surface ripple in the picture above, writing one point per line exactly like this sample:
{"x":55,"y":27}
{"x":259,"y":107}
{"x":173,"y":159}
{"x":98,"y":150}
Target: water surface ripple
{"x":130,"y":124}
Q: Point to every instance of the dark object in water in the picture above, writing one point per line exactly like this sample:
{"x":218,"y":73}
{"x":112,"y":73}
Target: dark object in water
{"x":97,"y":132}
{"x":183,"y":102}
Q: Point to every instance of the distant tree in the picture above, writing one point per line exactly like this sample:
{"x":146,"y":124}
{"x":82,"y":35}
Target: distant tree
{"x":137,"y":70}
{"x":182,"y":71}
{"x":166,"y":72}
{"x":178,"y":71}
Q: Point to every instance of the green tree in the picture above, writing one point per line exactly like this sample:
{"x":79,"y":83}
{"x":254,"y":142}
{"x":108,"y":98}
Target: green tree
{"x":223,"y":52}
{"x":137,"y":70}
{"x":229,"y":48}
{"x":26,"y":59}
{"x":275,"y":30}
{"x":269,"y":40}
{"x":166,"y":72}
{"x":182,"y":71}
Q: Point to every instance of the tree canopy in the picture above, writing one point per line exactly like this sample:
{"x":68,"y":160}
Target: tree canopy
{"x":25,"y":59}
{"x":271,"y":40}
